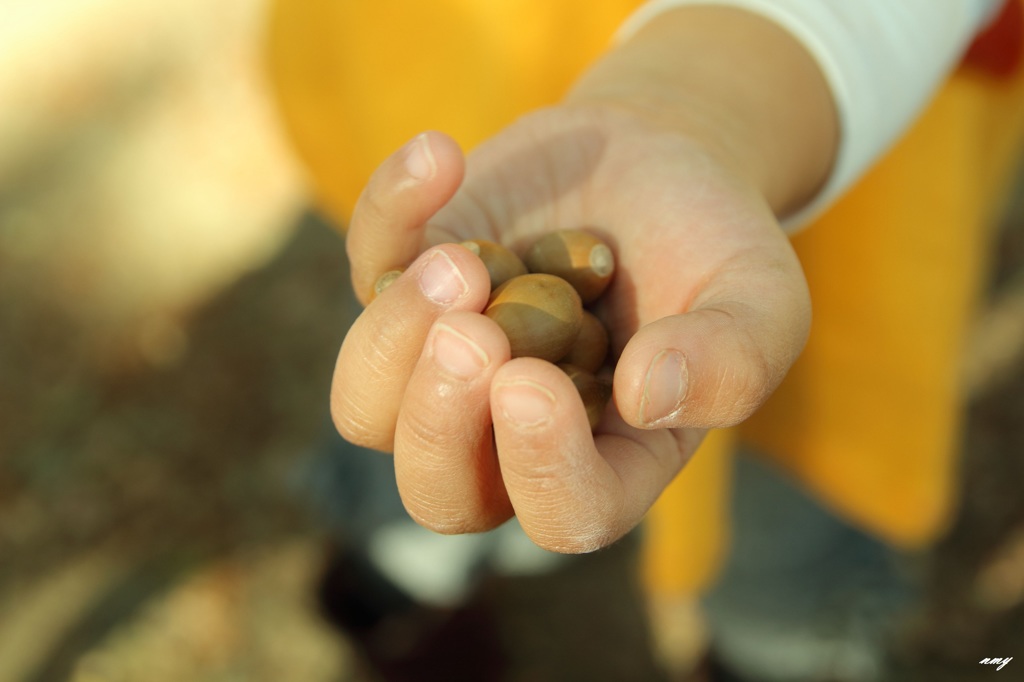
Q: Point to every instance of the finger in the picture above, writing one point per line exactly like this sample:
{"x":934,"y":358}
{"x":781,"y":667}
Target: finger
{"x":383,"y":345}
{"x":445,"y":462}
{"x":712,"y":367}
{"x":572,"y":491}
{"x":387,"y":227}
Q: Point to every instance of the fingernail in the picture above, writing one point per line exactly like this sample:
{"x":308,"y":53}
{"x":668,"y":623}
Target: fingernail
{"x":458,"y":354}
{"x":419,"y":160}
{"x":664,"y":387}
{"x":525,"y":403}
{"x":440,"y":280}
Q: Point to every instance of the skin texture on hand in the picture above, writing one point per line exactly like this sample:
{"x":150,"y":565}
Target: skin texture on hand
{"x":707,"y":311}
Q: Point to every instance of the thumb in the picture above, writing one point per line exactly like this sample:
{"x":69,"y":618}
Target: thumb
{"x":711,"y":367}
{"x":388,"y":223}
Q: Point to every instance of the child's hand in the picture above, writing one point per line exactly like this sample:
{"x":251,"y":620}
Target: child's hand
{"x":707,"y":311}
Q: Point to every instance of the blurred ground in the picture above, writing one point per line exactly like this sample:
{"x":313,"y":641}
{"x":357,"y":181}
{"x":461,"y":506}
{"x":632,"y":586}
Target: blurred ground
{"x":169,"y":316}
{"x":975,"y":577}
{"x":122,"y":485}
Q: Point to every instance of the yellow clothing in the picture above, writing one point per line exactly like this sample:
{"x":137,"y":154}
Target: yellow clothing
{"x":357,"y":79}
{"x":869,"y":417}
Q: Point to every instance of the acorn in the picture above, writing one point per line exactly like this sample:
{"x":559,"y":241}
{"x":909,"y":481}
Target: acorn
{"x":384,"y":281}
{"x":591,"y":346}
{"x":576,"y":256}
{"x":502,"y":265}
{"x":540,"y":314}
{"x":594,"y":392}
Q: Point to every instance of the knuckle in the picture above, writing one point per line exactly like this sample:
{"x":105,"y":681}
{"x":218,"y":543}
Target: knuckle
{"x":759,"y":378}
{"x":560,"y":522}
{"x":394,"y":338}
{"x":371,"y":206}
{"x":441,"y":517}
{"x":585,"y":540}
{"x":747,"y":374}
{"x":736,"y":396}
{"x":421,"y":437}
{"x":433,"y":504}
{"x":380,"y":350}
{"x":357,"y":425}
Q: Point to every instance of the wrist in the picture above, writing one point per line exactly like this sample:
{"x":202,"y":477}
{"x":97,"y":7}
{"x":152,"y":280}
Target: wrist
{"x":735,"y":83}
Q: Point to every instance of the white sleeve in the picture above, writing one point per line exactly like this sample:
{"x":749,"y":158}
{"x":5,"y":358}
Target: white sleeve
{"x":883,"y":59}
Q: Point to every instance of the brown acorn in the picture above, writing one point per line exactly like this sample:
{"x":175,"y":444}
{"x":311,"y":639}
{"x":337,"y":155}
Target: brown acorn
{"x":540,"y":314}
{"x":591,"y":347}
{"x":502,"y":265}
{"x":576,"y":256}
{"x":595,"y":392}
{"x":384,"y":281}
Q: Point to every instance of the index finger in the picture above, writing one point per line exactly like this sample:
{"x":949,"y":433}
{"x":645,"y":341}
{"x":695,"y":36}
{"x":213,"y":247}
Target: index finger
{"x":388,"y":223}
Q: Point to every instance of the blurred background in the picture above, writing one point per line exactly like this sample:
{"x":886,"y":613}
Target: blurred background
{"x":170,"y":309}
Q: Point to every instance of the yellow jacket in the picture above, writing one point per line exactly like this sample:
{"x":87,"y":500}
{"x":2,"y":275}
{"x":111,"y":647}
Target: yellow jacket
{"x":869,"y":417}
